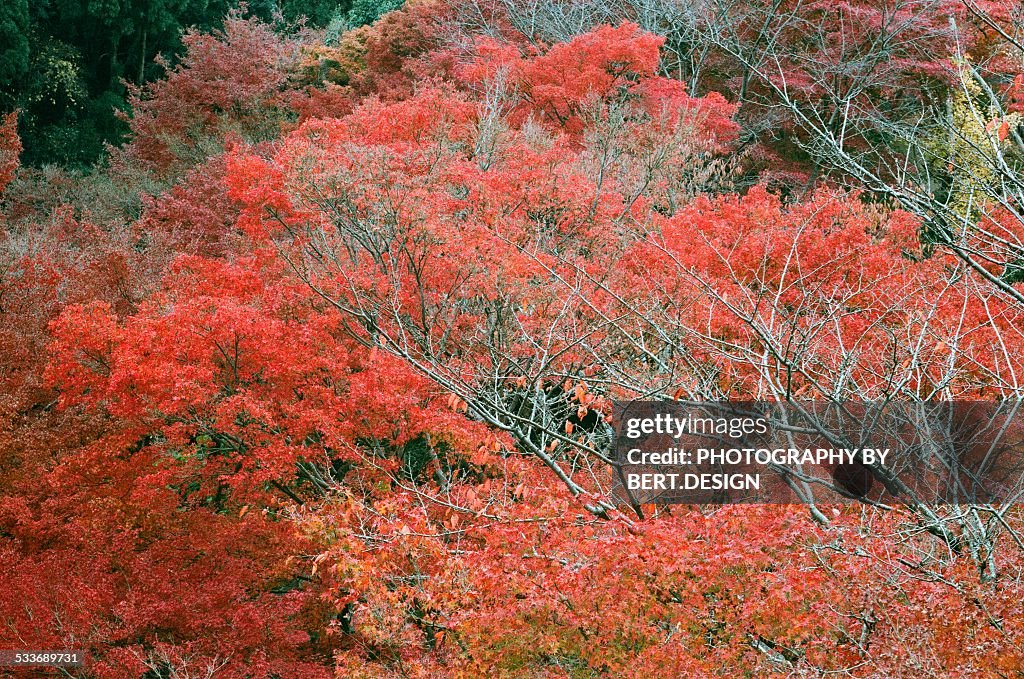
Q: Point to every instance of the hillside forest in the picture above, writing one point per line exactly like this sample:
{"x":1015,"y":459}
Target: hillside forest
{"x":312,"y":315}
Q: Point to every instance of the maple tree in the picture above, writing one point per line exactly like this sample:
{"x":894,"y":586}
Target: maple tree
{"x":228,"y":84}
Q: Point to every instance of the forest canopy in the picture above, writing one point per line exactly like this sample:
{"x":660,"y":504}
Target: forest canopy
{"x":312,"y":316}
{"x":70,"y":66}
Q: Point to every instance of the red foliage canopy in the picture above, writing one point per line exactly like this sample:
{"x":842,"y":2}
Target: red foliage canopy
{"x":292,"y":430}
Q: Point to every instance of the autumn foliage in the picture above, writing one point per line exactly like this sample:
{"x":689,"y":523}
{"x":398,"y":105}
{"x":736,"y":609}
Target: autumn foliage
{"x":274,"y":413}
{"x":10,"y":148}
